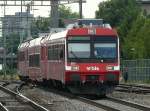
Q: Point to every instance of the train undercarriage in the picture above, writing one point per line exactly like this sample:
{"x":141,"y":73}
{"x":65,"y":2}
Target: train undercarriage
{"x":76,"y":87}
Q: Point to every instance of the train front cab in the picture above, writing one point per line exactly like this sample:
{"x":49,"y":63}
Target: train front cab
{"x":92,"y":64}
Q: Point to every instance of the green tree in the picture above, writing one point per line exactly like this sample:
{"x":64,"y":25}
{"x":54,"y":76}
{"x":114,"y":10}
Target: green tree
{"x":42,"y":24}
{"x":136,"y":43}
{"x":12,"y":43}
{"x":126,"y":16}
{"x":116,"y":11}
{"x":145,"y":34}
{"x":66,"y":13}
{"x":120,"y":14}
{"x":133,"y":44}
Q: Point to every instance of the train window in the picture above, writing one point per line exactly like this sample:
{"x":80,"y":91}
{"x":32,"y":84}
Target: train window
{"x":61,"y":54}
{"x":21,"y":56}
{"x":34,"y":60}
{"x":79,"y":50}
{"x":105,"y":50}
{"x":54,"y":52}
{"x":78,"y":38}
{"x":50,"y":52}
{"x":30,"y":61}
{"x":42,"y":53}
{"x":105,"y":39}
{"x":27,"y":55}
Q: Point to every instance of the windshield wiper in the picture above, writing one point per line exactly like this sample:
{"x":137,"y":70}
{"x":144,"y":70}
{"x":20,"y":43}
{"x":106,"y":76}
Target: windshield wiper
{"x":75,"y":55}
{"x":98,"y":56}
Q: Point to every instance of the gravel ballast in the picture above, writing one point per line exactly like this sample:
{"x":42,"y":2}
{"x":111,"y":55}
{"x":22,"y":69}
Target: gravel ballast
{"x":143,"y":99}
{"x":56,"y":102}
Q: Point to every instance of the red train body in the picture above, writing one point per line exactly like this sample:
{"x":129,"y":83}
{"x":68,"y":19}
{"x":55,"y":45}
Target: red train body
{"x":85,"y":60}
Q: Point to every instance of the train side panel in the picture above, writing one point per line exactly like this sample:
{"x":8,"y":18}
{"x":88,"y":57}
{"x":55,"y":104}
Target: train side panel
{"x":44,"y":62}
{"x":23,"y":63}
{"x":34,"y":69}
{"x":55,"y":62}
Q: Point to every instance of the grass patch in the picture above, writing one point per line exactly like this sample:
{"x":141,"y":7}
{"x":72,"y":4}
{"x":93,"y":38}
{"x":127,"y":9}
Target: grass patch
{"x":11,"y":74}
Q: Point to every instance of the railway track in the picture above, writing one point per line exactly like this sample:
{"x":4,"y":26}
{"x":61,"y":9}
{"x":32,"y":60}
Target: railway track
{"x":133,"y":88}
{"x":113,"y":104}
{"x":12,"y":101}
{"x":79,"y":98}
{"x":136,"y":85}
{"x":129,"y":104}
{"x":108,"y":103}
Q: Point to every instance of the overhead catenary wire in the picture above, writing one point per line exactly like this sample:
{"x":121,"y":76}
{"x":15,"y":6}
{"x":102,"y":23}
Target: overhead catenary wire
{"x":8,"y":3}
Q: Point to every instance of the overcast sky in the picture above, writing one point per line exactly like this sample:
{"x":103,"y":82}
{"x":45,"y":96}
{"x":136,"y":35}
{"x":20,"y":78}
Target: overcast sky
{"x":89,"y":9}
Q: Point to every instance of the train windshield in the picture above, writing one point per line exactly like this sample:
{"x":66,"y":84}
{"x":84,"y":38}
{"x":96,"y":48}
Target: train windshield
{"x":105,"y":50}
{"x":79,"y":50}
{"x":92,"y":49}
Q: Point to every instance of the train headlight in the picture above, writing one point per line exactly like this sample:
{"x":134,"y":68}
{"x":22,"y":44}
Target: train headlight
{"x":74,"y":68}
{"x":116,"y":67}
{"x":112,"y":68}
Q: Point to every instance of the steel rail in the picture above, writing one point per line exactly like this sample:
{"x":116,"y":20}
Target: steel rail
{"x":131,"y":104}
{"x":99,"y":105}
{"x":82,"y":99}
{"x":135,"y":85}
{"x":2,"y":107}
{"x":139,"y":89}
{"x":27,"y":100}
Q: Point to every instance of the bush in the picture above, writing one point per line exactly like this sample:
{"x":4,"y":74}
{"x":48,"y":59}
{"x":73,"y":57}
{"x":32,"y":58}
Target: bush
{"x":8,"y":71}
{"x":1,"y":72}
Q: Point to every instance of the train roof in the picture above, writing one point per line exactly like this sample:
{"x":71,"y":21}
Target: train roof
{"x":58,"y":35}
{"x":44,"y":39}
{"x":35,"y":42}
{"x":92,"y":31}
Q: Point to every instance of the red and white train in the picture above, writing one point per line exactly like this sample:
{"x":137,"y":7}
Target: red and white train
{"x":84,"y":59}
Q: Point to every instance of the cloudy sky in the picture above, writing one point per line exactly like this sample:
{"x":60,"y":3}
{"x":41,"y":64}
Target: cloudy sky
{"x":89,"y":9}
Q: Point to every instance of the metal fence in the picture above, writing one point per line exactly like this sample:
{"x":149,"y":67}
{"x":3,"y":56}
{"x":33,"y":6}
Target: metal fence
{"x":137,"y":70}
